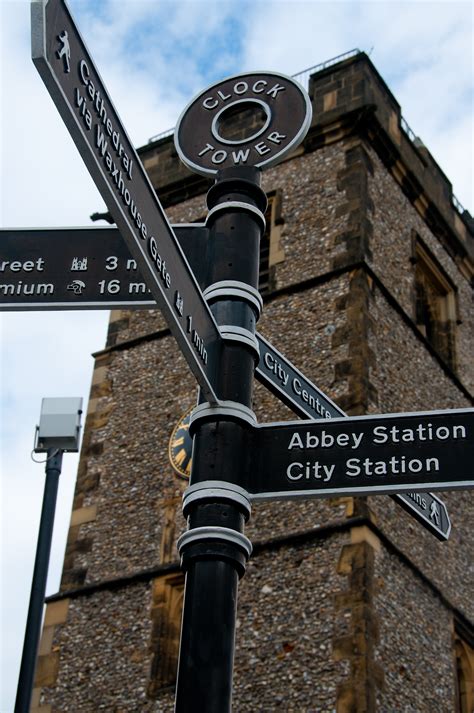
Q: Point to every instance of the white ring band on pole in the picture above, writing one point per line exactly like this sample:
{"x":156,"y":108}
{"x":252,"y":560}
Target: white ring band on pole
{"x":234,"y":288}
{"x":217,"y":490}
{"x":239,"y":334}
{"x":215,"y":532}
{"x":239,"y":205}
{"x":225,"y":408}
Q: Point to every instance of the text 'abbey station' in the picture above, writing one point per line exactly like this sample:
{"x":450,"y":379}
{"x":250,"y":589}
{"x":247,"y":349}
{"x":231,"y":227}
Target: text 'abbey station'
{"x":376,"y":454}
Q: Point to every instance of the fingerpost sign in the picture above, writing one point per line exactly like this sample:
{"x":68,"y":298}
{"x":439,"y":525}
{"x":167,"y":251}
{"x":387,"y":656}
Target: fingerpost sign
{"x":365,"y":455}
{"x":74,"y":83}
{"x":77,"y":268}
{"x":306,"y":400}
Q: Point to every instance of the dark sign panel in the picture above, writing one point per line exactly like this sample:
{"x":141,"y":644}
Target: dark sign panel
{"x":68,"y":71}
{"x":305,"y":399}
{"x":428,"y":510}
{"x":252,"y":119}
{"x":289,"y":384}
{"x":365,"y":455}
{"x":76,"y":268}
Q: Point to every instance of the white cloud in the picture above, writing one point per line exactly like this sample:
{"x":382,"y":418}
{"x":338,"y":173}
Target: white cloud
{"x":290,"y":37}
{"x":154,"y":57}
{"x":423,"y":50}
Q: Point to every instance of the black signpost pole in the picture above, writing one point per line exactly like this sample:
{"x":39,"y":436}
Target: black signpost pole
{"x":214,"y":550}
{"x":38,"y":585}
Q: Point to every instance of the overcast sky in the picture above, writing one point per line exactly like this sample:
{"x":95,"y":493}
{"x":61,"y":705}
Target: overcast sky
{"x":153,"y":57}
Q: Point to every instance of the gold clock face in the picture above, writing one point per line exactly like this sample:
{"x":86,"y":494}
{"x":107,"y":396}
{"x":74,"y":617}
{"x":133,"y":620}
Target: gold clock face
{"x":180,"y":447}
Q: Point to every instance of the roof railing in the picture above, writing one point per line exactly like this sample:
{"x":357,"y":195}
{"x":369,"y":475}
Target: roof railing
{"x":163,"y":135}
{"x":457,"y":204}
{"x":409,"y":132}
{"x":303,"y":77}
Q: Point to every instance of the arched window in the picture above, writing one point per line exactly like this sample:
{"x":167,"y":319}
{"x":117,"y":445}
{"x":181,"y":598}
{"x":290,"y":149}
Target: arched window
{"x":465,"y":675}
{"x":435,"y":303}
{"x":167,"y":606}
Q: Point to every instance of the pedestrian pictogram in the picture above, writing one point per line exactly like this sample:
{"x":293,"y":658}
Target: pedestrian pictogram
{"x":65,"y":51}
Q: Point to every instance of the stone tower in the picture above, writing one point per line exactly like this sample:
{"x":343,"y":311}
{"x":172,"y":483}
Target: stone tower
{"x":348,"y":604}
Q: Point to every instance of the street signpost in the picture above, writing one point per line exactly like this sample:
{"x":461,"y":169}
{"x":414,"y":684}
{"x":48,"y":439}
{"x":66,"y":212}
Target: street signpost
{"x":214,"y":549}
{"x":234,"y":460}
{"x":364,"y":455}
{"x":71,"y":78}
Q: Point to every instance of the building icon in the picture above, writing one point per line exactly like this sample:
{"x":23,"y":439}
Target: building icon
{"x":348,"y":604}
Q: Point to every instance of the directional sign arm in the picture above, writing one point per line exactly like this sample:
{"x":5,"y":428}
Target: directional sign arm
{"x":429,"y":510}
{"x":79,"y":268}
{"x":365,"y":455}
{"x":62,"y":59}
{"x":304,"y":398}
{"x":296,"y":391}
